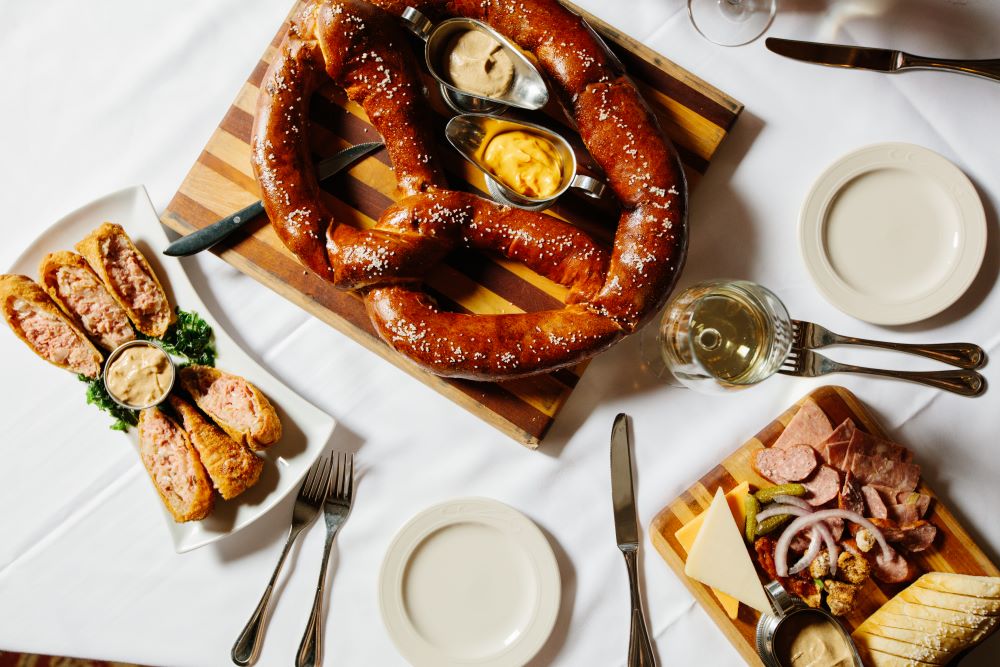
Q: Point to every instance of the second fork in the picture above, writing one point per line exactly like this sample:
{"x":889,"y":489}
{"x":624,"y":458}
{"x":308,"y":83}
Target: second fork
{"x":335,"y":511}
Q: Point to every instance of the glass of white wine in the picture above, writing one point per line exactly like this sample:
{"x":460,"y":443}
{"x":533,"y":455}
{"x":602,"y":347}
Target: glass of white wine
{"x":723,"y":335}
{"x":731,"y":22}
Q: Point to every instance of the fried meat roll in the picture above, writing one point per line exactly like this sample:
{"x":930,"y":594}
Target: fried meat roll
{"x":129,"y":278}
{"x":230,"y":465}
{"x":238,"y":407}
{"x":73,"y":285}
{"x":39,"y":322}
{"x":174,"y":467}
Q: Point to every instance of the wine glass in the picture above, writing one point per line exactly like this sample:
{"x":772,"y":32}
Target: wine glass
{"x":731,"y":22}
{"x":720,"y":335}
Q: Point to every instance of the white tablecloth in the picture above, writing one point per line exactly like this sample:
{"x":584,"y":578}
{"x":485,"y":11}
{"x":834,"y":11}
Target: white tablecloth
{"x":98,"y":96}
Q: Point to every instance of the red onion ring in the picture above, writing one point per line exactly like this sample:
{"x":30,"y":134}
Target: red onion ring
{"x":794,"y":500}
{"x":809,"y":556}
{"x":796,"y":526}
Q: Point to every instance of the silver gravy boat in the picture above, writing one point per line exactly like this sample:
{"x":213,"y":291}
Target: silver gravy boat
{"x":526,"y":91}
{"x":785,"y":606}
{"x":470,"y":133}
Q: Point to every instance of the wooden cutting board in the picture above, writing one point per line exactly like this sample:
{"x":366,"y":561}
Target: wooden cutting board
{"x":695,"y":115}
{"x":954,"y":549}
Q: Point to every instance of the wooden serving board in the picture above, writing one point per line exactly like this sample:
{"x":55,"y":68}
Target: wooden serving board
{"x":696,"y":116}
{"x":953,"y":551}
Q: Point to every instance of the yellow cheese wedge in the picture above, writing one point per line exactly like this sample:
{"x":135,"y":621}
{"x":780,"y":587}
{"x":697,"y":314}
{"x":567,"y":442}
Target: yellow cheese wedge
{"x":686,"y":534}
{"x":719,"y":558}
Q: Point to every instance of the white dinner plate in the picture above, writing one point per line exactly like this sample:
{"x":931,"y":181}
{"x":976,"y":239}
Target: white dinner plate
{"x":469,"y":582}
{"x":893,"y":233}
{"x":306,"y":429}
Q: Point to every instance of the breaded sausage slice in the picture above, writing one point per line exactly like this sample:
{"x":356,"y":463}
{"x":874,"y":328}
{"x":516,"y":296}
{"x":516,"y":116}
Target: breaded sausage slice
{"x":37,"y":320}
{"x":73,"y":285}
{"x":231,"y":466}
{"x":173,"y":464}
{"x":238,"y":407}
{"x":129,"y":278}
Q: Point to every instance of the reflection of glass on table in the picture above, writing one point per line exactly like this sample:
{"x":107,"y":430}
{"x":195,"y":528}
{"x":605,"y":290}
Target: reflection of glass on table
{"x":731,"y":22}
{"x":720,"y":335}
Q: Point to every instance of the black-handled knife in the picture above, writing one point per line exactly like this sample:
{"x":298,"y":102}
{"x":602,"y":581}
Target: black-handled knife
{"x":206,"y":237}
{"x":878,"y":60}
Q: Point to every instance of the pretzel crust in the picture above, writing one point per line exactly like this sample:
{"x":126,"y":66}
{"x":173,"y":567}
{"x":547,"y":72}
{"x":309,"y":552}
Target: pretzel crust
{"x":362,"y":49}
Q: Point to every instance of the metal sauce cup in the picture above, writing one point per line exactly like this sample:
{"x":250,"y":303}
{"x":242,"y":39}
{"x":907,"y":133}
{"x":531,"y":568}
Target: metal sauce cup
{"x":470,"y":133}
{"x":526,"y":91}
{"x":785,"y":606}
{"x":117,"y":352}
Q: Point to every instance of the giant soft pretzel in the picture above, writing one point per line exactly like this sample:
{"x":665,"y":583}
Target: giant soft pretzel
{"x":362,"y":48}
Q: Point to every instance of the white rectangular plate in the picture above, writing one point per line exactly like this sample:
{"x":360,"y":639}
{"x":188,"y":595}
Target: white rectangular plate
{"x":72,"y":450}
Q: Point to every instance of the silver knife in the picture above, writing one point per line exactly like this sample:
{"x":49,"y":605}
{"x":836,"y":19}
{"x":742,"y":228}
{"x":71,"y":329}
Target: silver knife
{"x":640,"y":650}
{"x":206,"y":237}
{"x":878,"y":60}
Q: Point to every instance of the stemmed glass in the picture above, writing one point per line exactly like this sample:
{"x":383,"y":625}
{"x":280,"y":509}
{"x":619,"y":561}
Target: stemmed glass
{"x":718,"y":336}
{"x":731,"y":22}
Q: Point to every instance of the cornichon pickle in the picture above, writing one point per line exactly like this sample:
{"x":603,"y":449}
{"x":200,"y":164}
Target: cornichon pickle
{"x":767,"y":495}
{"x":750,"y":508}
{"x":772,"y":523}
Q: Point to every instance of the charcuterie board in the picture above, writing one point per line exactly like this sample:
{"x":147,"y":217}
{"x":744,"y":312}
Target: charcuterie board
{"x":954,"y":550}
{"x":696,"y":116}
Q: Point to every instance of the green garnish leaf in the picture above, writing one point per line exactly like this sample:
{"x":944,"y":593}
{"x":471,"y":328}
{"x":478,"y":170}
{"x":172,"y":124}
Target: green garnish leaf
{"x":190,"y":337}
{"x":98,"y":395}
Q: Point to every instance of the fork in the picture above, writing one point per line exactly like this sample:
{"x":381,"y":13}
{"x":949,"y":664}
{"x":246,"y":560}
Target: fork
{"x":810,"y":336}
{"x":806,"y":363}
{"x":312,"y":493}
{"x":335,"y":511}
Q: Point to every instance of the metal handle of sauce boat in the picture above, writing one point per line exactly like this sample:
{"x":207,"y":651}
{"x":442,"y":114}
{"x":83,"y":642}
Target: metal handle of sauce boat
{"x":588,"y":185}
{"x":418,"y":24}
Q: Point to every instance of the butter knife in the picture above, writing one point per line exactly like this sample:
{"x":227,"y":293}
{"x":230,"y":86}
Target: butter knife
{"x":206,"y":237}
{"x":640,"y":650}
{"x":878,"y":60}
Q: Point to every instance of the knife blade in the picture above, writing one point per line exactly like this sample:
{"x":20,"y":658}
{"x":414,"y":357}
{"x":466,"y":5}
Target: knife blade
{"x":878,"y":60}
{"x":836,"y":55}
{"x":622,"y":493}
{"x":207,"y":237}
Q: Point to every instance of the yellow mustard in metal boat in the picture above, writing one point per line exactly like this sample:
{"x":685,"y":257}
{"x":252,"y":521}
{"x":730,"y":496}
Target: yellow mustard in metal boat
{"x":525,"y":162}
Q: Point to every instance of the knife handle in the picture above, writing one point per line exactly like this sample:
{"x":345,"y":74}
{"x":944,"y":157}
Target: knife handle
{"x":988,"y":69}
{"x":206,"y":237}
{"x":640,"y":649}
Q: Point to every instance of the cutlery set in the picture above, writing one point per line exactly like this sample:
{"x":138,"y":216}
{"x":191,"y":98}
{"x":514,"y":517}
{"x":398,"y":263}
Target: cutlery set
{"x":328,"y":486}
{"x":802,"y":361}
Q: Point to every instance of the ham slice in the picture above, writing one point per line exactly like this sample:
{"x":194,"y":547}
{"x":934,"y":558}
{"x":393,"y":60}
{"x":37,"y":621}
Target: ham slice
{"x":843,"y":433}
{"x":810,"y":426}
{"x":850,"y":497}
{"x":836,"y":453}
{"x":869,"y":445}
{"x":880,"y":471}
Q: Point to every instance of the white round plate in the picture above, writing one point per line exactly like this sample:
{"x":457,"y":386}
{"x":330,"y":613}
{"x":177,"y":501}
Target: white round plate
{"x":469,"y":582}
{"x":893,"y":233}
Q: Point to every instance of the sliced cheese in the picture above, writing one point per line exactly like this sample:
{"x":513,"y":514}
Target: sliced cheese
{"x":686,"y":534}
{"x":719,"y":558}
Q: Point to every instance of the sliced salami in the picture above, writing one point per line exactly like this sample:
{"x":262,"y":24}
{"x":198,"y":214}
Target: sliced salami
{"x":903,"y":513}
{"x":823,"y":486}
{"x":893,"y":570}
{"x":810,"y":426}
{"x":873,"y":500}
{"x":785,"y":465}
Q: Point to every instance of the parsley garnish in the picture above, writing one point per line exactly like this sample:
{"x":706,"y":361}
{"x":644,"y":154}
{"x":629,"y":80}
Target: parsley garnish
{"x":189,"y":337}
